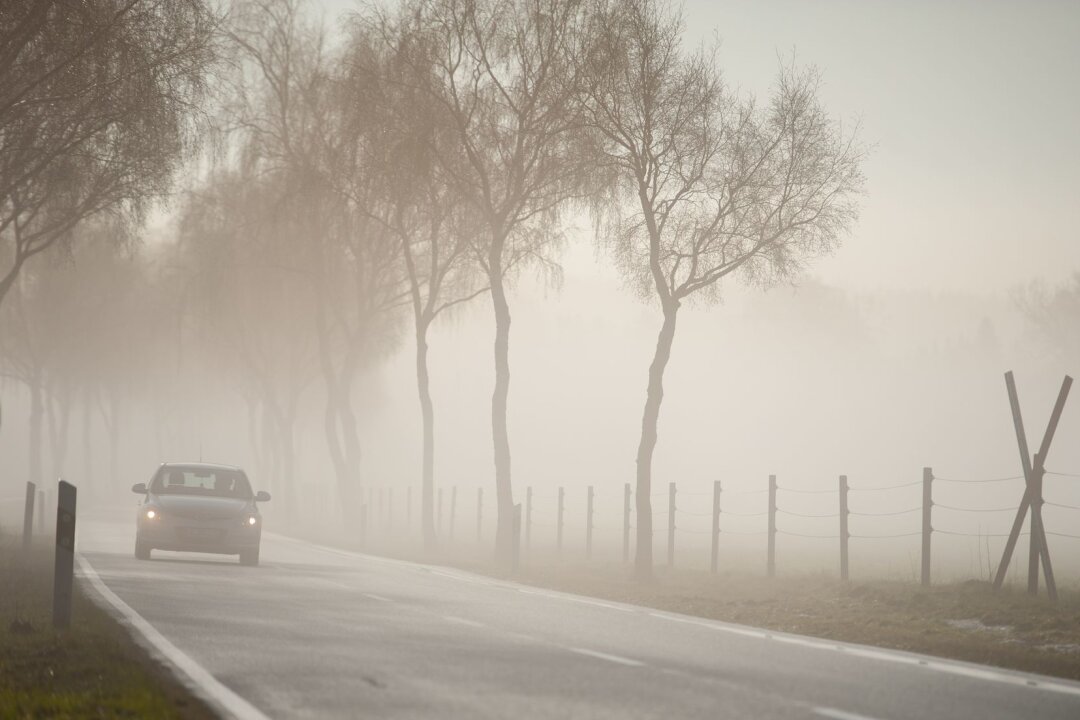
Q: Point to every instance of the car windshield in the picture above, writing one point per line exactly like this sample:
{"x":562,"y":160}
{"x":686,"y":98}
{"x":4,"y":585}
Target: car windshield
{"x":201,"y":481}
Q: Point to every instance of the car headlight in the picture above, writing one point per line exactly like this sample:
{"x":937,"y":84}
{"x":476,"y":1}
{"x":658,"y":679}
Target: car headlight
{"x":151,"y":514}
{"x":252,"y":520}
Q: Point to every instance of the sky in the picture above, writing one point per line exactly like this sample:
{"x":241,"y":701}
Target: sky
{"x":971,"y":110}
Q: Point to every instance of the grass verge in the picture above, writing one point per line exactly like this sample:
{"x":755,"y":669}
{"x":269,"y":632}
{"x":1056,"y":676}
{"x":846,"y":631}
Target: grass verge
{"x":93,"y":670}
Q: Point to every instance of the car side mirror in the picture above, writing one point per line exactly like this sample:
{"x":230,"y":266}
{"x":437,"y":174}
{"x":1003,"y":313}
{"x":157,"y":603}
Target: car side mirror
{"x":139,"y":488}
{"x":262,"y":496}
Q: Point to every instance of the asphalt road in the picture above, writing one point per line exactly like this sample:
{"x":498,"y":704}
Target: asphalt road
{"x":315,"y":632}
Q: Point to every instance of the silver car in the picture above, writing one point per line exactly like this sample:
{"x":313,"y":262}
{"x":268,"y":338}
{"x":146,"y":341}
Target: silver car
{"x":201,"y":508}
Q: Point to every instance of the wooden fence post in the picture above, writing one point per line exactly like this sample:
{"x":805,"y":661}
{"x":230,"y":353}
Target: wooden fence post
{"x":927,"y":528}
{"x":843,"y":529}
{"x":516,"y":540}
{"x":28,"y":515}
{"x":64,"y":563}
{"x":671,"y":526}
{"x":771,"y":562}
{"x":453,"y":511}
{"x":41,"y":511}
{"x":1034,"y":549}
{"x":715,"y":526}
{"x":528,"y":518}
{"x":589,"y":524}
{"x":559,"y":524}
{"x":626,"y":523}
{"x":479,"y":512}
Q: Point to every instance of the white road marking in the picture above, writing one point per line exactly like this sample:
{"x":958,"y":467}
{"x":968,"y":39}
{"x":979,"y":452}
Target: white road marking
{"x":955,"y":668}
{"x":463,"y":621}
{"x":373,"y":596}
{"x":192,"y":674}
{"x":604,"y":656}
{"x":574,"y":598}
{"x":840,"y":714}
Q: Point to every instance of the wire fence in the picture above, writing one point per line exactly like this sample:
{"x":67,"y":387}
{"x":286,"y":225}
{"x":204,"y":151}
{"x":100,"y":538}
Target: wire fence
{"x":567,"y":518}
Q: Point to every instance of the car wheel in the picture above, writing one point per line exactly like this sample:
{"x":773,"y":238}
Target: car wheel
{"x":250,"y":556}
{"x":142,"y":550}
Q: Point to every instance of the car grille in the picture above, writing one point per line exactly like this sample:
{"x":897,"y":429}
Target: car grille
{"x":202,"y":533}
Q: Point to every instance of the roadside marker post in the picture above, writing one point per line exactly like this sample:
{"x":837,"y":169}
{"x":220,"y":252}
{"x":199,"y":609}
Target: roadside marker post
{"x":28,"y":516}
{"x":64,"y":564}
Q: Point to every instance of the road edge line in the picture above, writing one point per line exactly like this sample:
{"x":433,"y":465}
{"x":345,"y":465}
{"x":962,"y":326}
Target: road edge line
{"x":191,"y":674}
{"x":979,"y":671}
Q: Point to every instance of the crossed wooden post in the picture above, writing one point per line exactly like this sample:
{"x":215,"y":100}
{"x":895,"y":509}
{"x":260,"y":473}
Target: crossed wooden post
{"x":1033,"y":477}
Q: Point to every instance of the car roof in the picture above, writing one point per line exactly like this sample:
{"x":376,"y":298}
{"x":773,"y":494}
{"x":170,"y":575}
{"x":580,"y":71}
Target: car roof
{"x":201,"y":466}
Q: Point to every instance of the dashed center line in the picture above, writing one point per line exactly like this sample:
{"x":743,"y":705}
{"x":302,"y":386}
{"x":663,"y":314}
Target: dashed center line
{"x":604,"y":656}
{"x":463,"y":621}
{"x":840,"y":714}
{"x":373,"y":596}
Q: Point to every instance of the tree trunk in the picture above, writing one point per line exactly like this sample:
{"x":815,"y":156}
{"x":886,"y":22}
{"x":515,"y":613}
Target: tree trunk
{"x":500,"y":434}
{"x":643,"y":564}
{"x":427,"y":412}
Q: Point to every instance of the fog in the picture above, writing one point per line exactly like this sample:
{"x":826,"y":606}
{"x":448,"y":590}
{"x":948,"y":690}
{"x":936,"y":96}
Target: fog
{"x":881,"y":355}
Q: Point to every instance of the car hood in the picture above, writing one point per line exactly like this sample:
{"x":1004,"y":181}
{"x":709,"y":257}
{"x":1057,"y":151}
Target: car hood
{"x":202,"y":506}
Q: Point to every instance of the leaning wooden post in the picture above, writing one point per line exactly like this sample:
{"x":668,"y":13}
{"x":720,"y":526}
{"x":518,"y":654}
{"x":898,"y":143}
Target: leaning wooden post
{"x":588,"y":524}
{"x":528,"y":518}
{"x":771,"y":562}
{"x":64,"y":563}
{"x":28,"y":516}
{"x":671,"y":526}
{"x":1035,"y":496}
{"x":843,"y":529}
{"x":559,"y":524}
{"x":41,"y":511}
{"x":715,"y":525}
{"x":626,"y":523}
{"x":927,"y":529}
{"x":479,"y":512}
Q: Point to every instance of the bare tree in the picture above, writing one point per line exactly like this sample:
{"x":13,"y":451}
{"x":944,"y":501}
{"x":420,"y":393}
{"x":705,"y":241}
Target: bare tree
{"x":504,"y":73}
{"x":299,"y":120}
{"x":1053,"y":314}
{"x":97,"y":101}
{"x":704,"y":184}
{"x":423,"y":210}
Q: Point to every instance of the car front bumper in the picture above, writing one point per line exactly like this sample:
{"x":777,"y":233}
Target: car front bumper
{"x":224,"y":536}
